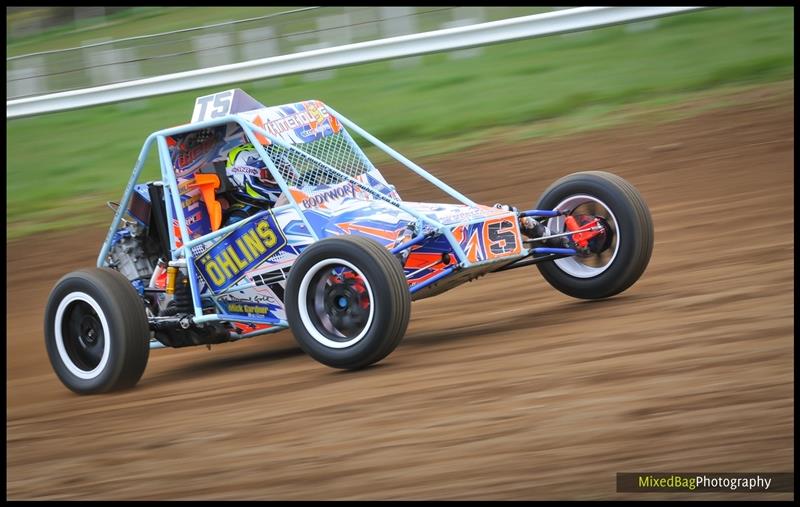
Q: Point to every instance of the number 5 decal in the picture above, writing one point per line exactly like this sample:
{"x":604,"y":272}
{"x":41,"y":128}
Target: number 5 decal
{"x":502,"y":237}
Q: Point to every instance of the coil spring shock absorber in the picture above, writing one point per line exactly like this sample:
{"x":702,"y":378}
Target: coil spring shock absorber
{"x":183,"y":294}
{"x":178,"y":286}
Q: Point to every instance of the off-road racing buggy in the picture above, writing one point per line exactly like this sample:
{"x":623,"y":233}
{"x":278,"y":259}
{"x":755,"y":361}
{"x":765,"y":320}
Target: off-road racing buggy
{"x":337,"y":258}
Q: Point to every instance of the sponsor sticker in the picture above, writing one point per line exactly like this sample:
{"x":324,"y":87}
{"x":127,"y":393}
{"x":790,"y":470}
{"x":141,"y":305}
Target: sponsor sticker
{"x":228,"y":261}
{"x":249,"y":308}
{"x":347,"y":189}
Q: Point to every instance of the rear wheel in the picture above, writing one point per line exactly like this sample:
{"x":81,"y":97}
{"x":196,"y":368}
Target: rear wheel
{"x":96,"y":331}
{"x":347,"y":302}
{"x":612,"y":261}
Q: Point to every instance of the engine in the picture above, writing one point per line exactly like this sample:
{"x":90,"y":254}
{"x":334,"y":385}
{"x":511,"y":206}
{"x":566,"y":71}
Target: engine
{"x":133,"y":253}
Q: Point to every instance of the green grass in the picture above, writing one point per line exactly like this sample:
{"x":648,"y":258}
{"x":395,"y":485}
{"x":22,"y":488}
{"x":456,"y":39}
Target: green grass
{"x":63,"y":166}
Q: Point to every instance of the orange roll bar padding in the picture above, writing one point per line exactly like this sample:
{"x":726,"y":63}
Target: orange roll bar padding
{"x":208,"y":183}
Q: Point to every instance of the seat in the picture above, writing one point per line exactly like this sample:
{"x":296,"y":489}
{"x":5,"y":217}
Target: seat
{"x":208,"y":185}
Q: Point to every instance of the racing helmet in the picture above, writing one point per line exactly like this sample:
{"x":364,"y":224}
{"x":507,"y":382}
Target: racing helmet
{"x":250,"y":177}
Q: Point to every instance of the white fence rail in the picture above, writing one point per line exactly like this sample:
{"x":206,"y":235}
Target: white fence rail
{"x":505,"y":30}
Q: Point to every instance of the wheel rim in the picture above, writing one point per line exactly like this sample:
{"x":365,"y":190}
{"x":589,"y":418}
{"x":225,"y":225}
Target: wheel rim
{"x":594,"y":264}
{"x":82,"y":335}
{"x":336,"y":303}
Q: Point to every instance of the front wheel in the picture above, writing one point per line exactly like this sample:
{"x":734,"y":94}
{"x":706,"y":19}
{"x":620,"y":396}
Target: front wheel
{"x":612,"y":261}
{"x":347,"y":301}
{"x":96,"y":331}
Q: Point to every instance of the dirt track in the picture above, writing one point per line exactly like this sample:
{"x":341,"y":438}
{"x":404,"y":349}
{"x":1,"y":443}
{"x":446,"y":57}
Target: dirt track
{"x":503,"y":388}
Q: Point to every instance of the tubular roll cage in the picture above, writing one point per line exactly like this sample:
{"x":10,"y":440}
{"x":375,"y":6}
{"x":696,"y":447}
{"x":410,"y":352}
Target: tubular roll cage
{"x":182,"y":256}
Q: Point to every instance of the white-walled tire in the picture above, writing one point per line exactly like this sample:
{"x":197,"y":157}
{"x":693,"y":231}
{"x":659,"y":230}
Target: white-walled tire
{"x":347,"y":302}
{"x":96,"y":331}
{"x":627,"y":247}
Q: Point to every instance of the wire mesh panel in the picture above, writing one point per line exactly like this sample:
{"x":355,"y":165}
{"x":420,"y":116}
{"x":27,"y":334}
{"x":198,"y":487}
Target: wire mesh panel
{"x":307,"y":164}
{"x":329,"y":161}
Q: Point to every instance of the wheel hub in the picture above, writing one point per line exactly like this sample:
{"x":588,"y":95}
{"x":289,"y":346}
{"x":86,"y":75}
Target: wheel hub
{"x":83,"y":335}
{"x":596,"y":248}
{"x":590,"y":242}
{"x":345,"y":305}
{"x":89,"y":331}
{"x":602,"y":241}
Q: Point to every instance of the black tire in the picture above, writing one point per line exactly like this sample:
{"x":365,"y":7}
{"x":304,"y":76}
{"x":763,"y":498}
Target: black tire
{"x":635,"y":235}
{"x":389,"y":302}
{"x":78,"y":343}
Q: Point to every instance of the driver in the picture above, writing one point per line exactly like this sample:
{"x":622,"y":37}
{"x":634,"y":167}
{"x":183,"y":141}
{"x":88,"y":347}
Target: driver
{"x":254,"y":188}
